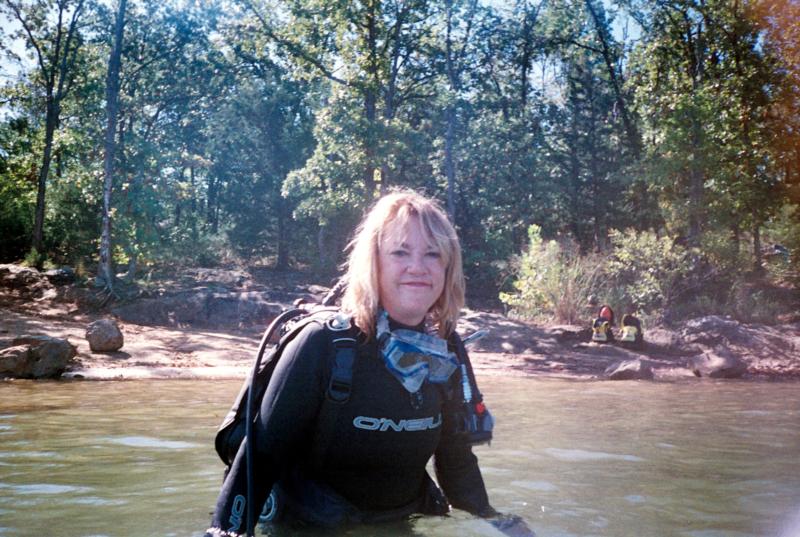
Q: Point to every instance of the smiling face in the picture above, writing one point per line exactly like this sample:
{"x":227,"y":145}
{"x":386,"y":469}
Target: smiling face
{"x":411,"y":272}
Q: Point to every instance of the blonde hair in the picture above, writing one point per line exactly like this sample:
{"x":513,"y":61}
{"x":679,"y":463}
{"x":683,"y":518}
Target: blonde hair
{"x":362,"y":295}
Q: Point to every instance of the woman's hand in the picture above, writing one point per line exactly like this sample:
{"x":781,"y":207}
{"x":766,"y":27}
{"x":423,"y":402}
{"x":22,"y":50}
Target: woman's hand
{"x":216,"y":532}
{"x":511,"y":525}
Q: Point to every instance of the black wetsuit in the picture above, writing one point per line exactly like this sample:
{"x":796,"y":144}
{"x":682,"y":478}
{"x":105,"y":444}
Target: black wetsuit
{"x":375,"y":461}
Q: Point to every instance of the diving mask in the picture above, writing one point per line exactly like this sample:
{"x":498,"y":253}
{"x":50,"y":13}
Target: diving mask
{"x":413,"y":357}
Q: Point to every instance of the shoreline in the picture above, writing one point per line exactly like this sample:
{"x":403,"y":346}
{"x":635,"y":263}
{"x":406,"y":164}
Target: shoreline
{"x":512,"y":348}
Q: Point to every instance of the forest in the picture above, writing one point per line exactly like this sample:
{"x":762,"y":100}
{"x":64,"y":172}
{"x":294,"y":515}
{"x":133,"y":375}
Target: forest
{"x":645,"y":152}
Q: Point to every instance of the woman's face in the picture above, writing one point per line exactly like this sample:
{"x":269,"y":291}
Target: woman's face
{"x":411,"y":272}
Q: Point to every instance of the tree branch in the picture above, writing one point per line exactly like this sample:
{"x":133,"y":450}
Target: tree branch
{"x":293,"y":48}
{"x":18,"y":14}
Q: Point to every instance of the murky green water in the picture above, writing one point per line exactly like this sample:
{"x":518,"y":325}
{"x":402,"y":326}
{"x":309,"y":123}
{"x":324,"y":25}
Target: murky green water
{"x":573,"y":458}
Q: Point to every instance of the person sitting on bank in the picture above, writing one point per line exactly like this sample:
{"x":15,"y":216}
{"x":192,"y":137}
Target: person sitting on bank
{"x":631,"y":330}
{"x":404,"y":274}
{"x":602,"y":325}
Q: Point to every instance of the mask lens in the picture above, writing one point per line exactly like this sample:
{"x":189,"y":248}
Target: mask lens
{"x":411,"y":359}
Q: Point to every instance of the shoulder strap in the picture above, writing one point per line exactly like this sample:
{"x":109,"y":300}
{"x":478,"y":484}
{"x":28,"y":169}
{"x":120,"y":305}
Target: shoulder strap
{"x":477,"y":422}
{"x":340,"y":385}
{"x":465,"y":366}
{"x":281,"y":331}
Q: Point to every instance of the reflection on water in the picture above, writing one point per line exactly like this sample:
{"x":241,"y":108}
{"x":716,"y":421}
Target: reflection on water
{"x":698,"y":459}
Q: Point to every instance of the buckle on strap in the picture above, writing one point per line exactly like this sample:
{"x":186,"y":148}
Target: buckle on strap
{"x":342,"y":373}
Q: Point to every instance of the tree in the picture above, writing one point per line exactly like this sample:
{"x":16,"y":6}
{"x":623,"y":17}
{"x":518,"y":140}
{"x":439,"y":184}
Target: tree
{"x":611,"y":57}
{"x":105,"y":271}
{"x":675,"y":96}
{"x":704,"y":83}
{"x":51,"y":29}
{"x":169,"y":86}
{"x":459,"y":18}
{"x":264,"y":130}
{"x":371,"y":55}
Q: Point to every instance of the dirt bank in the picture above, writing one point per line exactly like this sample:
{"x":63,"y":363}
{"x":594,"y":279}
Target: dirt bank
{"x":186,"y":350}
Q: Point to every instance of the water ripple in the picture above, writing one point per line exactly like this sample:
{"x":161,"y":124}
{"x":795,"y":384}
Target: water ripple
{"x":540,"y":486}
{"x":30,"y":454}
{"x":578,"y":455}
{"x":44,"y":488}
{"x":148,"y":442}
{"x":94,"y":500}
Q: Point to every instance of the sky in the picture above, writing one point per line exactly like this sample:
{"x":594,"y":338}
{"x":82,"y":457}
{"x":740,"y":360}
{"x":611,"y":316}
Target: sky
{"x":7,"y":68}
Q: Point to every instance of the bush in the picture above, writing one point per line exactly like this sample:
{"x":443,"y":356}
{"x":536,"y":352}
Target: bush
{"x":34,"y":259}
{"x":195,"y":250}
{"x":649,"y":273}
{"x":553,"y":281}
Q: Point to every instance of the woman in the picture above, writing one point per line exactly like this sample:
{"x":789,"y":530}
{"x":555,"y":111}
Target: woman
{"x":404,"y":278}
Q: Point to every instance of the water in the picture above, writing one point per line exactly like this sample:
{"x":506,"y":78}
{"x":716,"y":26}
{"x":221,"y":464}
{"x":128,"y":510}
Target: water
{"x":704,"y":459}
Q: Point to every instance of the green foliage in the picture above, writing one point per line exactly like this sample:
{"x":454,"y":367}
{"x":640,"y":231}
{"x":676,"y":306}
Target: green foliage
{"x":752,"y":304}
{"x":645,"y":272}
{"x":202,"y":251}
{"x":34,"y":259}
{"x":261,"y":130}
{"x":553,"y":281}
{"x":17,"y":188}
{"x":784,"y":230}
{"x":72,"y":229}
{"x":502,"y":192}
{"x":702,"y":77}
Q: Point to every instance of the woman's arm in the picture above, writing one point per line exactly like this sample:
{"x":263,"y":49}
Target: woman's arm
{"x":283,"y":428}
{"x":457,"y":468}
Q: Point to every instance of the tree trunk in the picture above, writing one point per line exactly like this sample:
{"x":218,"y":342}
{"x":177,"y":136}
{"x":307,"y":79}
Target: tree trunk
{"x":54,"y":69}
{"x":282,"y":261}
{"x":449,"y":164}
{"x":525,"y":61}
{"x":105,"y":272}
{"x":696,"y":172}
{"x":370,"y":103}
{"x":631,"y":133}
{"x":211,"y":202}
{"x":696,"y":194}
{"x":758,"y":260}
{"x":51,"y":118}
{"x":322,"y":246}
{"x":369,"y":147}
{"x":193,"y":181}
{"x":576,"y":190}
{"x":736,"y":238}
{"x":453,"y":76}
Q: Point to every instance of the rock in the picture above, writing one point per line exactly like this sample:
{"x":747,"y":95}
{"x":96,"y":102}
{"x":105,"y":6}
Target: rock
{"x":147,"y":311}
{"x":36,"y":357}
{"x":233,"y":278}
{"x":104,"y":335}
{"x":202,"y":308}
{"x":709,"y":323}
{"x":23,"y":281}
{"x":14,"y":361}
{"x":190,"y":308}
{"x":565,"y":335}
{"x":61,"y":276}
{"x":712,"y":330}
{"x":255,"y":308}
{"x":629,"y":370}
{"x":718,"y":363}
{"x":18,"y":276}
